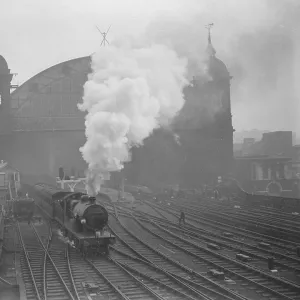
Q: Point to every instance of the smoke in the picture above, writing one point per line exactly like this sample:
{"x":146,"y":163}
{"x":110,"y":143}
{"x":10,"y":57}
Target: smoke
{"x":258,"y":40}
{"x":131,"y":91}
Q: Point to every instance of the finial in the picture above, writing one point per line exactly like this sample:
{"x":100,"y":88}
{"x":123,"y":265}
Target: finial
{"x":208,"y":27}
{"x":210,"y":49}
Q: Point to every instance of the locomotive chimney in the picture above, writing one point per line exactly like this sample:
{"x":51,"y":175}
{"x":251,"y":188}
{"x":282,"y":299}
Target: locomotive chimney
{"x":92,"y":199}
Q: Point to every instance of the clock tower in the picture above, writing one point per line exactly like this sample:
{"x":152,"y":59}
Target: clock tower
{"x":204,"y":125}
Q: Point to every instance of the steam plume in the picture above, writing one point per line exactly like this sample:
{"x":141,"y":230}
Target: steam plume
{"x":130,"y":92}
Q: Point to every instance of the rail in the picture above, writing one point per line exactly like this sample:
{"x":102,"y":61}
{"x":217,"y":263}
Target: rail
{"x":47,"y":254}
{"x":39,"y":297}
{"x":203,"y":284}
{"x":33,"y":264}
{"x":283,"y":282}
{"x":237,"y":269}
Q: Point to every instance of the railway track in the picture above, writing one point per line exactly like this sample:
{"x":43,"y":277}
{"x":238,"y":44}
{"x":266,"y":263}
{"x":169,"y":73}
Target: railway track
{"x":273,"y":214}
{"x":280,"y":245}
{"x":124,"y":276}
{"x":285,"y":255}
{"x":90,"y":281}
{"x":282,"y":249}
{"x":133,"y":286}
{"x":283,"y":262}
{"x":240,"y":272}
{"x":287,"y":263}
{"x":203,"y":284}
{"x":290,"y":232}
{"x":52,"y":270}
{"x":66,"y":275}
{"x":157,"y":278}
{"x":45,"y":272}
{"x":222,"y":213}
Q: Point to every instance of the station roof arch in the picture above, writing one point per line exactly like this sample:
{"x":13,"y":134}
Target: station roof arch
{"x":48,"y":100}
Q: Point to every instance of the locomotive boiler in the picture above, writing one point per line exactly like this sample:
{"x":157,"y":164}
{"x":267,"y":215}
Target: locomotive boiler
{"x":81,"y":218}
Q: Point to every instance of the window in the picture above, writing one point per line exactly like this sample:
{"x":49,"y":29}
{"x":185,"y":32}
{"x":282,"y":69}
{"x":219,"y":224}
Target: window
{"x":265,"y":171}
{"x":281,"y":173}
{"x":253,"y":171}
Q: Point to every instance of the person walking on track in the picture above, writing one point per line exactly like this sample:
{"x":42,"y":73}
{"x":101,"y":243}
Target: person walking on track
{"x":182,"y":218}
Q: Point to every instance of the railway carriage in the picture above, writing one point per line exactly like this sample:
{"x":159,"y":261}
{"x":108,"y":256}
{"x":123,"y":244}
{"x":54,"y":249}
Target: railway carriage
{"x":81,"y":218}
{"x":233,"y":189}
{"x":22,"y":208}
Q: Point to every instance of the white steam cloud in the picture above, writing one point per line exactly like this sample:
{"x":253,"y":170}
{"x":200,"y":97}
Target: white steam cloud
{"x":130,"y":92}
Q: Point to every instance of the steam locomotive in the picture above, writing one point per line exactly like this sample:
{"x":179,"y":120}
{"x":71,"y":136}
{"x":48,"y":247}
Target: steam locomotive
{"x":81,"y":219}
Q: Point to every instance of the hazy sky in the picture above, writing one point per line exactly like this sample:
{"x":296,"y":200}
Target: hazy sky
{"x":257,"y":39}
{"x":36,"y":34}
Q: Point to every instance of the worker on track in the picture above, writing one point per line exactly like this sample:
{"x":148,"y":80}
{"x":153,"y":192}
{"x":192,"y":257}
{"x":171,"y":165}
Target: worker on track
{"x":30,"y":215}
{"x":216,"y":194}
{"x":182,"y":218}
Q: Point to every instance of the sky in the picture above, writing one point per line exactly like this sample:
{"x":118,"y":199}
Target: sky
{"x":257,"y":39}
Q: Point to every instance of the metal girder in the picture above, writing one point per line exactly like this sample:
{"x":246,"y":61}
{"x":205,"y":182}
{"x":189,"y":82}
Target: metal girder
{"x":48,"y":101}
{"x":59,"y":123}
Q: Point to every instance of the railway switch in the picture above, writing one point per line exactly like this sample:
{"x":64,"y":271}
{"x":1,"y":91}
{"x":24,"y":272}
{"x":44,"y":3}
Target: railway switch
{"x":228,"y":234}
{"x":264,"y":245}
{"x":217,"y":274}
{"x":271,"y":263}
{"x":242,"y":257}
{"x":91,"y":288}
{"x":213,"y":246}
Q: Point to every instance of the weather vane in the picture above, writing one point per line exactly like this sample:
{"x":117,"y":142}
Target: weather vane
{"x":104,"y":34}
{"x":208,"y":27}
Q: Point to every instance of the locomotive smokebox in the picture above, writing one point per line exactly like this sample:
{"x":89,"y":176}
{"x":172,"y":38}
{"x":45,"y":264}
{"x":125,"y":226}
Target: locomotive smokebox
{"x":96,"y":217}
